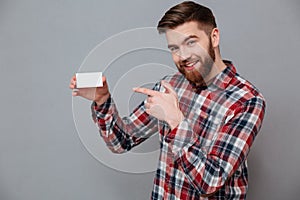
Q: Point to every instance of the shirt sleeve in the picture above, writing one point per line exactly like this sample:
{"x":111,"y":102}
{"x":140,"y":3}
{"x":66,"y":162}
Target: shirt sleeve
{"x":207,"y":169}
{"x":121,"y":134}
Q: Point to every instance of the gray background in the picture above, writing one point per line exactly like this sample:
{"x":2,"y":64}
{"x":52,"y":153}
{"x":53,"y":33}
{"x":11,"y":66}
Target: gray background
{"x":43,"y":43}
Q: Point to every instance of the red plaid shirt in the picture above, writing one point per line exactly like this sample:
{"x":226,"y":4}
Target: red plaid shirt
{"x":205,"y":156}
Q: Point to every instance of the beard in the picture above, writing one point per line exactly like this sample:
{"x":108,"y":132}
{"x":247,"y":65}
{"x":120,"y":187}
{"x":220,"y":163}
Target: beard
{"x":196,"y":76}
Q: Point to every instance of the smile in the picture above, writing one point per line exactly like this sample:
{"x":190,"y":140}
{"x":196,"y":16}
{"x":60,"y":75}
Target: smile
{"x":190,"y":65}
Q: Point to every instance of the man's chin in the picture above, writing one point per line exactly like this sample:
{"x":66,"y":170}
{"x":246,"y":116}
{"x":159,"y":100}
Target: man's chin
{"x":193,"y":76}
{"x":196,"y":81}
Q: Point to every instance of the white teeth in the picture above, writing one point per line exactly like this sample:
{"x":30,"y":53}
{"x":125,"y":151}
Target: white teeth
{"x":191,"y":64}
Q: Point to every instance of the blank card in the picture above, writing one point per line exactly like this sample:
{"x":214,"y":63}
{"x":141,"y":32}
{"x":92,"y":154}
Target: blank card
{"x":89,"y":79}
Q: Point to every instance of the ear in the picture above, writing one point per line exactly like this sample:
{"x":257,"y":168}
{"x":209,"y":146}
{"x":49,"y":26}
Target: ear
{"x":215,"y":37}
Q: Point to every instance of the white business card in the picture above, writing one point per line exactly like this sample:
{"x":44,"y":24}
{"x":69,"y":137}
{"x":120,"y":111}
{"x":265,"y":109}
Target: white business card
{"x":89,"y":79}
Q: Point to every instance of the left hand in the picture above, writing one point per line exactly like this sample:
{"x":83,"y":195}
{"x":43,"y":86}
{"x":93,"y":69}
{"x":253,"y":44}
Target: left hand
{"x":163,"y":105}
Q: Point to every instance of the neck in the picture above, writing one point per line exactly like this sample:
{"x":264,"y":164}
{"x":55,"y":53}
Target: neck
{"x":217,"y":68}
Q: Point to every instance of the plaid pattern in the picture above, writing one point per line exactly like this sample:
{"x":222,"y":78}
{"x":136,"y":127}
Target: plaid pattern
{"x":205,"y":157}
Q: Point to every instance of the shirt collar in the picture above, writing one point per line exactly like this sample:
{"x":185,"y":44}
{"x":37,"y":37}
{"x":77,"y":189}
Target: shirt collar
{"x":222,"y":80}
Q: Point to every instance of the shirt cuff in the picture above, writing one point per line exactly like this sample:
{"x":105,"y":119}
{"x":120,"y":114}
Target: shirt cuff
{"x":180,"y":139}
{"x":100,"y":111}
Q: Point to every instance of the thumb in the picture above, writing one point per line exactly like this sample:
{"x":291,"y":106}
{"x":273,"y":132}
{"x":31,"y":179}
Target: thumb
{"x":104,"y":81}
{"x":168,"y":87}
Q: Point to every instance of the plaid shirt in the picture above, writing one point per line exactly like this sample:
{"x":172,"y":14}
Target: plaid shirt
{"x":205,"y":156}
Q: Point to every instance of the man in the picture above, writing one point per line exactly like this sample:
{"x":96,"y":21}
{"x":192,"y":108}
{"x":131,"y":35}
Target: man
{"x":206,"y":114}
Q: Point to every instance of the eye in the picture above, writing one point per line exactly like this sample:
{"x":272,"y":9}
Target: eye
{"x":173,"y":49}
{"x":191,"y":43}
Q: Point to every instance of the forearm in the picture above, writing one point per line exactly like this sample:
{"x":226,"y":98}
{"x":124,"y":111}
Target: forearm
{"x":121,"y":134}
{"x":194,"y":159}
{"x":105,"y":116}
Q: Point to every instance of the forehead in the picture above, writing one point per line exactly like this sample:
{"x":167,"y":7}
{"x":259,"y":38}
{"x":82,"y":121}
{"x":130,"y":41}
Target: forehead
{"x":183,"y":31}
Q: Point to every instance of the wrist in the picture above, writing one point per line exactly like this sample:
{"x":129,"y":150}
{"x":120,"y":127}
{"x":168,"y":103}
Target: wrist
{"x":102,"y":100}
{"x":173,"y":123}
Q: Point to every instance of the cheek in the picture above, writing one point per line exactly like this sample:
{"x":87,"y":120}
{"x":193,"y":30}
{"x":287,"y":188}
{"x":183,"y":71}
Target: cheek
{"x":198,"y":50}
{"x":175,"y":58}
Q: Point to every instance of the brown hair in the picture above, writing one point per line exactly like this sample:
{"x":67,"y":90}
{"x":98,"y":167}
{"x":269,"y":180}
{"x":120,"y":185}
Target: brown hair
{"x":185,"y":12}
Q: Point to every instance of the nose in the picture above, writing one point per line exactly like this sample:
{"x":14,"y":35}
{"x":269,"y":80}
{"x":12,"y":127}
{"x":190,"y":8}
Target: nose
{"x":184,"y":53}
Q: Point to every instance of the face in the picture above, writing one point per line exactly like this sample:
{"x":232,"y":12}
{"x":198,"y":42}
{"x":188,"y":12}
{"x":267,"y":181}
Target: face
{"x":192,"y":52}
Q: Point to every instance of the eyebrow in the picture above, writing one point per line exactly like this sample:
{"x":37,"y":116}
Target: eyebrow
{"x":185,"y":39}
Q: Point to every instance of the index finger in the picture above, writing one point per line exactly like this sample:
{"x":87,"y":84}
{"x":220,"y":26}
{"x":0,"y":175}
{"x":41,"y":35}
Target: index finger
{"x":146,"y":91}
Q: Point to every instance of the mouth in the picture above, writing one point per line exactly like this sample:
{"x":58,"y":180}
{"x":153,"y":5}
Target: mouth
{"x":190,"y":65}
